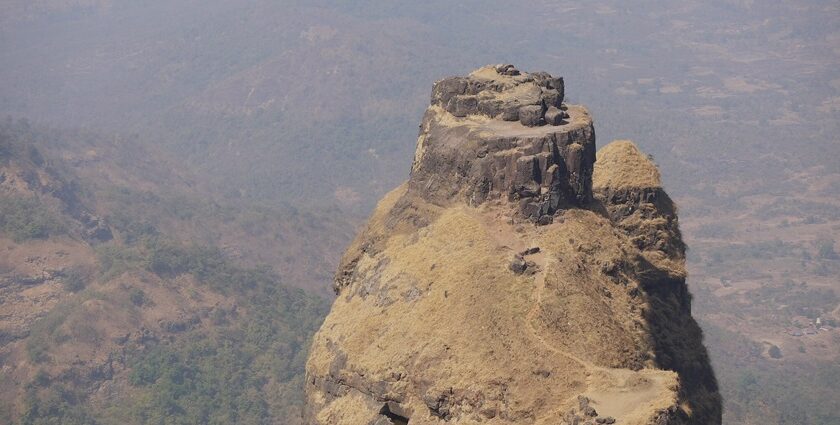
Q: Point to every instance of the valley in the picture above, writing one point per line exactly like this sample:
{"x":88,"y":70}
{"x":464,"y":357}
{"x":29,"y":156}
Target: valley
{"x":222,"y":138}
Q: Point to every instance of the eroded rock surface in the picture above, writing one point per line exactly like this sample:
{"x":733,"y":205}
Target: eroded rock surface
{"x":500,"y":285}
{"x":480,"y":155}
{"x":503,"y":92}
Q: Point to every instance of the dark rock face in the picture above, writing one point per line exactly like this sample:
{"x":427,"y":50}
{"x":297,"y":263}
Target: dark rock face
{"x":648,"y":216}
{"x":656,"y":226}
{"x":484,"y":138}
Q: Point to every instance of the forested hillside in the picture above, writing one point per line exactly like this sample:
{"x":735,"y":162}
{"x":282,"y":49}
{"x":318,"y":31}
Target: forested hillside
{"x":120,"y":307}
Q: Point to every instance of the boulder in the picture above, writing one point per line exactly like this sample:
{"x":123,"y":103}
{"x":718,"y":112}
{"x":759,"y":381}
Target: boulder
{"x":463,"y":105}
{"x":553,"y":98}
{"x":507,"y":69}
{"x":554,"y":116}
{"x":518,"y":265}
{"x":510,"y":113}
{"x":530,"y":251}
{"x":446,"y":89}
{"x":531,"y":115}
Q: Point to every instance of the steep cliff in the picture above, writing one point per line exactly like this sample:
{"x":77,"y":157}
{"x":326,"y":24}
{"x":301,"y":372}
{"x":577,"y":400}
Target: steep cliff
{"x":514,"y":279}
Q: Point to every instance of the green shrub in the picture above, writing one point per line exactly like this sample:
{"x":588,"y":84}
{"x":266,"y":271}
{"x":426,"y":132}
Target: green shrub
{"x":249,"y":371}
{"x":219,"y":376}
{"x":38,"y":347}
{"x":25,"y":218}
{"x":138,"y":297}
{"x":56,"y":405}
{"x":208,"y":265}
{"x":74,"y":279}
{"x":825,"y":249}
{"x":41,"y":379}
{"x":46,"y":333}
{"x":115,"y":260}
{"x":169,"y":260}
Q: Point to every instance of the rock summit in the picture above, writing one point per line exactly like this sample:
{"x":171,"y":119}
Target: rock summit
{"x":517,"y":277}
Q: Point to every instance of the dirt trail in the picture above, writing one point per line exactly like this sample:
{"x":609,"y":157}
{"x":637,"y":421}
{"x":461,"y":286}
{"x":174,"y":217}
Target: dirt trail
{"x":506,"y":236}
{"x":619,"y":393}
{"x":539,"y":286}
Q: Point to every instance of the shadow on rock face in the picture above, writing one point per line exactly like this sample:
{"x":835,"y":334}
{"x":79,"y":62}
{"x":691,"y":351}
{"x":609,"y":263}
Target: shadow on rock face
{"x":648,"y":216}
{"x":678,"y":345}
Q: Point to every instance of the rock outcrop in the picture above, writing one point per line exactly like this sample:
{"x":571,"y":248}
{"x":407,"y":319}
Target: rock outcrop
{"x":503,"y":92}
{"x":514,"y":279}
{"x":490,"y":152}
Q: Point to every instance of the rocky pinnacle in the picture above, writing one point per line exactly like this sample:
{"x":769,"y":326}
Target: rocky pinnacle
{"x":514,"y":279}
{"x":502,"y":134}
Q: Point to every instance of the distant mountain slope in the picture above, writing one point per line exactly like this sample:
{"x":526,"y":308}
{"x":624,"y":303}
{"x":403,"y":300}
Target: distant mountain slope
{"x":327,"y":92}
{"x":118,"y":274}
{"x":140,"y":191}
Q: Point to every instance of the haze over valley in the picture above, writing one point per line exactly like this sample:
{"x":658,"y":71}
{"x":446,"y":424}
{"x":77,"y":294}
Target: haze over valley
{"x":178,"y":181}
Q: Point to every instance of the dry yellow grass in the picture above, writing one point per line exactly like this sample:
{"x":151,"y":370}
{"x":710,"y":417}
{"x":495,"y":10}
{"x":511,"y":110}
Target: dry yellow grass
{"x":621,"y":165}
{"x":442,"y":308}
{"x":437,"y":319}
{"x":632,"y":396}
{"x":438,"y":307}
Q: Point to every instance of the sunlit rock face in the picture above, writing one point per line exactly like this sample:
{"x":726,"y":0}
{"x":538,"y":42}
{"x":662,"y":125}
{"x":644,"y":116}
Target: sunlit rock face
{"x":514,"y":279}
